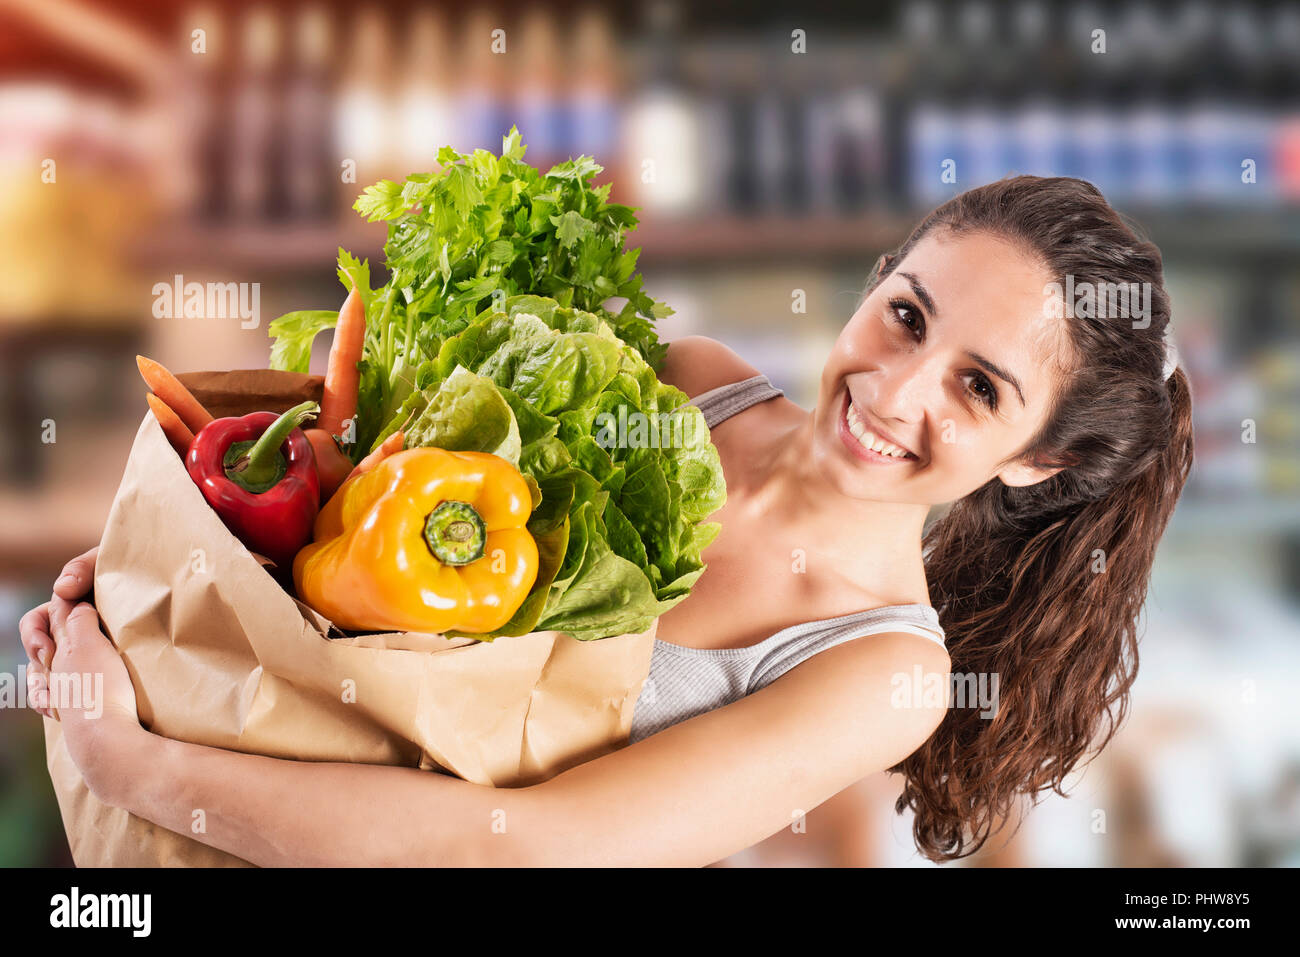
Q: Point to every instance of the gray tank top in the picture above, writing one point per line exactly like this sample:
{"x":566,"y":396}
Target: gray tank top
{"x":685,"y":682}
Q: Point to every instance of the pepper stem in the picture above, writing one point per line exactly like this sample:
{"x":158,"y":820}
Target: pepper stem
{"x":455,"y":533}
{"x":258,"y":465}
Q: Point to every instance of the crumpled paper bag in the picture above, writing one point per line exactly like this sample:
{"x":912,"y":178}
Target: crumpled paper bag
{"x":220,"y":654}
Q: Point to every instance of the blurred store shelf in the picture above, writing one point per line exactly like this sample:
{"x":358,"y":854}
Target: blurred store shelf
{"x":289,"y":248}
{"x":672,"y":242}
{"x":704,"y":241}
{"x":734,"y":240}
{"x":740,"y":240}
{"x":1233,"y":235}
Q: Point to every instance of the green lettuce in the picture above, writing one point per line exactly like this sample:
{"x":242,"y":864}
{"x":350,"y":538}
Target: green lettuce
{"x":620,"y":511}
{"x":466,"y":413}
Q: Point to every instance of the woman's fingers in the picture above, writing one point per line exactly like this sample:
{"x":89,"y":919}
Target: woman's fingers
{"x":69,"y":621}
{"x":65,"y":654}
{"x":77,"y":576}
{"x":84,"y":650}
{"x":35,"y":634}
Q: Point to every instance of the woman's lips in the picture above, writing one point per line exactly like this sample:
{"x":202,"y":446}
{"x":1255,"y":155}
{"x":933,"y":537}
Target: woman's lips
{"x":857,"y":448}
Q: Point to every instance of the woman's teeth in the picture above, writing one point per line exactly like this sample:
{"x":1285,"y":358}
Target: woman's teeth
{"x":868,"y":440}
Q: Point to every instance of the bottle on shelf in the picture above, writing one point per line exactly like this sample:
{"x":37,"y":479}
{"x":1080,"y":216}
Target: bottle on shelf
{"x":365,"y":140}
{"x":308,"y":170}
{"x":1251,"y":135}
{"x":931,"y":79}
{"x":661,"y":132}
{"x":712,"y":76}
{"x":1284,"y":95}
{"x":1160,"y":147}
{"x":780,"y":134}
{"x":1206,"y":113}
{"x":592,"y":94}
{"x":856,"y":135}
{"x":745,"y":132}
{"x":538,"y":108}
{"x":1042,"y":126}
{"x":201,"y":112}
{"x":256,"y":140}
{"x":819,"y":105}
{"x":979,"y":129}
{"x":1126,"y":65}
{"x":425,"y":110}
{"x":1100,"y":151}
{"x":481,"y":116}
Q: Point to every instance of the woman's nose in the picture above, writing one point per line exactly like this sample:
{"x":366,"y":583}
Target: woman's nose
{"x":904,"y":389}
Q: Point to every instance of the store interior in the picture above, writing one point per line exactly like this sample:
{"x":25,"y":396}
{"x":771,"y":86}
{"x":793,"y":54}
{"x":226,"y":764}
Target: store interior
{"x":773,"y":151}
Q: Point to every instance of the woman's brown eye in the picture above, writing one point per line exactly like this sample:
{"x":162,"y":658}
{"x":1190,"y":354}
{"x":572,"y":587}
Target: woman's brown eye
{"x":986,"y":393}
{"x":902,"y":311}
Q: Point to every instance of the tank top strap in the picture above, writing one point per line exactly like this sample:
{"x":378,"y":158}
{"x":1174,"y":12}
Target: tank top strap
{"x":727,"y":400}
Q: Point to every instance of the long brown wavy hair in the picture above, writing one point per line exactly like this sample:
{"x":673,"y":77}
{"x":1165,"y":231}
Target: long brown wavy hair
{"x":1042,"y":585}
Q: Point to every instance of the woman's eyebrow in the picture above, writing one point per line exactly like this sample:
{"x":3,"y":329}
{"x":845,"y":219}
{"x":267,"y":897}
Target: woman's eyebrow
{"x":1002,"y":374}
{"x":919,"y":290}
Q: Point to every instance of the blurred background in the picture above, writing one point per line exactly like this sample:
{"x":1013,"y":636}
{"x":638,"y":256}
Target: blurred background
{"x":771,"y":148}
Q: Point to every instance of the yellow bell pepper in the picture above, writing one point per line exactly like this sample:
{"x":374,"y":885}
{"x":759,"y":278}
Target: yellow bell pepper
{"x":428,"y":541}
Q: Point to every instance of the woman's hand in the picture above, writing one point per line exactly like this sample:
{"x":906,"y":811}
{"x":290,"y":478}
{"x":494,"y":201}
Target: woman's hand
{"x":87,"y":687}
{"x":74,"y":582}
{"x":101,"y":721}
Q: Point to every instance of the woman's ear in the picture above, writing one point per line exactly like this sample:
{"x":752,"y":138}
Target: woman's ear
{"x":1019,"y":474}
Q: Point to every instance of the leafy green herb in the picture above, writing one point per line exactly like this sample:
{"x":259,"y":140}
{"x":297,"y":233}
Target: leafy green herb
{"x":485,"y":228}
{"x":294,"y":333}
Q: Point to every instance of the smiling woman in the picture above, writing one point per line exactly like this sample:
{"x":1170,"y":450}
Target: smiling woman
{"x":1053,"y":434}
{"x":1064,"y":443}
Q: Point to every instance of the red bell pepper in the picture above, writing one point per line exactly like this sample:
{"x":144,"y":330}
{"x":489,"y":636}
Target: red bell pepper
{"x":258,"y":472}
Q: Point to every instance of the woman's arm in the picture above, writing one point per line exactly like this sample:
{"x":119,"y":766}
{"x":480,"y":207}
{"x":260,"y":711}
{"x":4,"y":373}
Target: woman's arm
{"x":696,"y":364}
{"x":720,"y":782}
{"x":690,"y":795}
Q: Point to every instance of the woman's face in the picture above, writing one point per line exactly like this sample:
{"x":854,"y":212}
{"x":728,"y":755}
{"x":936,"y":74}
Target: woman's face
{"x":954,"y":357}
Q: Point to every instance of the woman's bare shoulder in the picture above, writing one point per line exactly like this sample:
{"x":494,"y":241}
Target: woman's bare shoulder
{"x":696,"y":364}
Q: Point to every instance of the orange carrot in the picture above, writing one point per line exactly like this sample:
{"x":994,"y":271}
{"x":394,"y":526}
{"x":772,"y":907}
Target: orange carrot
{"x":386,"y":448}
{"x":339,"y":401}
{"x":332,"y":465}
{"x":178,"y":434}
{"x":175,"y":396}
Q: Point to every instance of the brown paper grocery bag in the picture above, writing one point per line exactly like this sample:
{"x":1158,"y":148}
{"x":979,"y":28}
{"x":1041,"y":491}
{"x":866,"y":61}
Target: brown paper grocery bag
{"x":221,"y":655}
